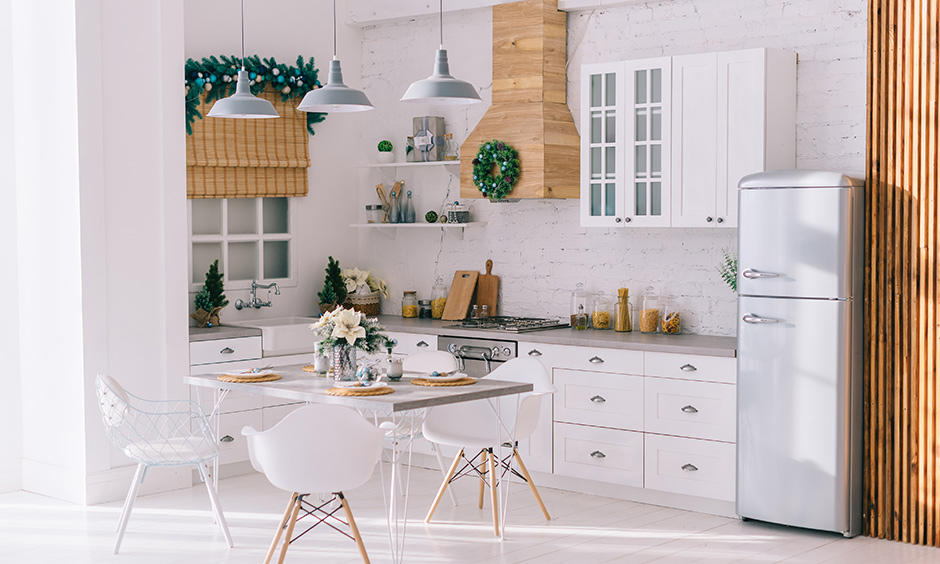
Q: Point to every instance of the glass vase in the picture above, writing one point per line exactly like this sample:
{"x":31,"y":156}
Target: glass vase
{"x":344,"y":363}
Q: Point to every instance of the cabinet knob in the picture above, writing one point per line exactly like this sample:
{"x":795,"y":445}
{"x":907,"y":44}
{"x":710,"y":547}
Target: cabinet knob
{"x":721,"y":220}
{"x":688,"y":368}
{"x":618,"y":220}
{"x":227,"y":439}
{"x":689,"y":409}
{"x":689,"y":467}
{"x":598,"y":399}
{"x":596,"y":360}
{"x":627,"y":220}
{"x":708,"y":219}
{"x":535,"y":352}
{"x":227,"y":350}
{"x":598,"y":454}
{"x":421,"y":344}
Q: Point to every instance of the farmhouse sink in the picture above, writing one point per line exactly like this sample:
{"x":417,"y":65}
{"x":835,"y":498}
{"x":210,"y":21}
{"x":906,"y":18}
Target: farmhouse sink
{"x":283,"y":335}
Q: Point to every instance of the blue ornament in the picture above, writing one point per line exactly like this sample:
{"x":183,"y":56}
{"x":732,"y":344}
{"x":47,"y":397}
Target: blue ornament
{"x":475,"y":177}
{"x":252,"y":75}
{"x":200,"y":82}
{"x":317,"y":83}
{"x":487,"y":147}
{"x":502,"y":168}
{"x":280,"y":79}
{"x":297,"y":72}
{"x":481,"y":185}
{"x":211,"y":78}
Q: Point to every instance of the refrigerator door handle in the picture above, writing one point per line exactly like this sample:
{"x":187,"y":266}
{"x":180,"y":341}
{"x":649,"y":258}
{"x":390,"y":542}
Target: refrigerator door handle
{"x":751,"y":318}
{"x":750,"y":273}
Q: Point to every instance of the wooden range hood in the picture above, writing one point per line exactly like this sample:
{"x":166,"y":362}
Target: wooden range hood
{"x":529,"y":110}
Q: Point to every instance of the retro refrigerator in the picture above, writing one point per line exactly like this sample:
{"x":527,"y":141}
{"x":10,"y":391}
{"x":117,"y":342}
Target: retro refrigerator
{"x":800,"y":322}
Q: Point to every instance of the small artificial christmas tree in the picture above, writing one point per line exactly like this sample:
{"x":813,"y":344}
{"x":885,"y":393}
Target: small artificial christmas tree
{"x":334,"y":288}
{"x":211,"y":299}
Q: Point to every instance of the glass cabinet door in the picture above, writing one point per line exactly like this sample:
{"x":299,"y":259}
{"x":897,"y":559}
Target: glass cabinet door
{"x":602,"y":177}
{"x":647,"y":151}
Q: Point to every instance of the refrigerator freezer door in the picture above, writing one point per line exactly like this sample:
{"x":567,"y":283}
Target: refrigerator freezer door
{"x":794,"y":399}
{"x":795,"y":242}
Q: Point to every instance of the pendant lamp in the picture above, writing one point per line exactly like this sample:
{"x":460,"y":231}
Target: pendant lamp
{"x":441,"y":88}
{"x":243,"y":104}
{"x":335,"y":96}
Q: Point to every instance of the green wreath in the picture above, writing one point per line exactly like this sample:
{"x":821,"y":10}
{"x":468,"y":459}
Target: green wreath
{"x":216,"y":77}
{"x":495,"y":154}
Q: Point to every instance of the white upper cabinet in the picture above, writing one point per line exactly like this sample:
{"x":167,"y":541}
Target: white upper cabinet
{"x":665,"y":141}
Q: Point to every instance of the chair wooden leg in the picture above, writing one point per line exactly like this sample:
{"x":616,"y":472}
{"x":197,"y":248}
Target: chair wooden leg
{"x":440,"y":464}
{"x":280,"y":528}
{"x":353,"y":527}
{"x":493,"y":498}
{"x":440,"y":492}
{"x":482,"y":476}
{"x":216,"y":506}
{"x":528,"y":479}
{"x":290,"y":529}
{"x":129,"y":505}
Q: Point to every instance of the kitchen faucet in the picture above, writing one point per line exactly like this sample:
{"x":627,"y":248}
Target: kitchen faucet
{"x":253,"y":301}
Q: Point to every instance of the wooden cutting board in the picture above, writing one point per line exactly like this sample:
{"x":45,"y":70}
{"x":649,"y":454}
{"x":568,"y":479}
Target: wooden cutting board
{"x":461,"y":295}
{"x":488,"y":289}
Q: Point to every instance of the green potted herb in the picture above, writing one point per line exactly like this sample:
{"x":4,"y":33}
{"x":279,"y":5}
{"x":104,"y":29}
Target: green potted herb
{"x":385,"y":152}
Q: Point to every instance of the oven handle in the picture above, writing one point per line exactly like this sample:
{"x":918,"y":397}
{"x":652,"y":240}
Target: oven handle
{"x":465,"y":351}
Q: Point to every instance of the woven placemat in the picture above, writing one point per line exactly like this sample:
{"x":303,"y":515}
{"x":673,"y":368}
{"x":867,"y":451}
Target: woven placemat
{"x":243,"y":380}
{"x":427,"y":382}
{"x":310,"y":368}
{"x":379,"y":391}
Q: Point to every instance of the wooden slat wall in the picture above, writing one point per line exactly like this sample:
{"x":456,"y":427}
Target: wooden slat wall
{"x":901,"y":395}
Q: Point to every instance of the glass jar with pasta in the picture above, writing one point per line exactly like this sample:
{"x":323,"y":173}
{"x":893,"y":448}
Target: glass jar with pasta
{"x":438,"y":298}
{"x":651,"y":312}
{"x":409,"y":304}
{"x":670,"y":324}
{"x":602,"y":315}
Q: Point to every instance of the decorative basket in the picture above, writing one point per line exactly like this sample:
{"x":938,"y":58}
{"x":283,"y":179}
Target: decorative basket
{"x":367,"y":304}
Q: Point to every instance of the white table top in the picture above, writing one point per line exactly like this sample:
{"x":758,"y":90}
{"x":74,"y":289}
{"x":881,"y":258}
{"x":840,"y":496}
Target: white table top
{"x":295,"y":384}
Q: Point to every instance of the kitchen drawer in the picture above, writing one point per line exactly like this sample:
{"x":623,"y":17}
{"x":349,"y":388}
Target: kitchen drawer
{"x":410,"y":343}
{"x":691,"y":367}
{"x":690,"y":466}
{"x":605,"y":455}
{"x":234,"y":401}
{"x":233,"y":446}
{"x":604,"y":400}
{"x":702,"y":410}
{"x":585,"y":358}
{"x":224,"y":350}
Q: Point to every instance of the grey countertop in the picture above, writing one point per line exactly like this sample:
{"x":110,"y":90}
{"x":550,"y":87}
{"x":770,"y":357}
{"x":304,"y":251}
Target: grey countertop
{"x":221,"y":332}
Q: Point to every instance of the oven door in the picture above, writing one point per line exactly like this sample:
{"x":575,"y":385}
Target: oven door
{"x":478,"y":357}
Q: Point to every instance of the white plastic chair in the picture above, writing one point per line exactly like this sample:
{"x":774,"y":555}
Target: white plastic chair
{"x":316,"y":448}
{"x":157,"y":433}
{"x":471,"y":427}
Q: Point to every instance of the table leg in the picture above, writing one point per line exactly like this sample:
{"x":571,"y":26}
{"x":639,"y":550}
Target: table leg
{"x":396,"y":496}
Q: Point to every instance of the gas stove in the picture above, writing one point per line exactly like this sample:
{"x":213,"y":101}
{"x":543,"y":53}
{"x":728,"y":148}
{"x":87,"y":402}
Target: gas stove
{"x":511,"y":324}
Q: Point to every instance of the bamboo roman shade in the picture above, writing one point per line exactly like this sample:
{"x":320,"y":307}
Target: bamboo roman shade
{"x":902,"y":396}
{"x":248,"y":158}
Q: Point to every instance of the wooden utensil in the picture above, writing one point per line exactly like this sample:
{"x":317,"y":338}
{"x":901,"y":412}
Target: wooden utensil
{"x":386,"y":203}
{"x":461,"y":295}
{"x":488,"y":289}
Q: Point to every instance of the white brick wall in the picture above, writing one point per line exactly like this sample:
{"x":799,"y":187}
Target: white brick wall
{"x":538,"y":247}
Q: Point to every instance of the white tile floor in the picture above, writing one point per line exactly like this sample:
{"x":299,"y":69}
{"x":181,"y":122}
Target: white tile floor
{"x":177,"y":527}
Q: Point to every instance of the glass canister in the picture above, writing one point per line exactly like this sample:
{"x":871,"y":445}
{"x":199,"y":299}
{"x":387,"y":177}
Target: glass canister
{"x":580,"y":302}
{"x":602,"y":313}
{"x":651,"y":312}
{"x":451,"y":149}
{"x":409,"y":304}
{"x":424,"y":309}
{"x":438,"y":298}
{"x":623,"y":313}
{"x":670,"y":324}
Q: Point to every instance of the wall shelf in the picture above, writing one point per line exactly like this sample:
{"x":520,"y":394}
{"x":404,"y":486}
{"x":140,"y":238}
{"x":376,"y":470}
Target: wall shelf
{"x":411,"y":165}
{"x":390,"y":229}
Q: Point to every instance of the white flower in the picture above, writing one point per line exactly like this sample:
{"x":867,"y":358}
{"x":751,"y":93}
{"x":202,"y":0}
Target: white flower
{"x":378,"y":285}
{"x":346,"y":326}
{"x":355,"y":280}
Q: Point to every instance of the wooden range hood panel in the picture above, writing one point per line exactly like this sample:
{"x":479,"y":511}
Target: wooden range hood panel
{"x":529,"y":110}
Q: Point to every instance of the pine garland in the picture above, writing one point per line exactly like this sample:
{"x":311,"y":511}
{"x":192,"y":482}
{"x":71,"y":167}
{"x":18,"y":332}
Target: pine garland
{"x":496,"y":155}
{"x":217,"y":76}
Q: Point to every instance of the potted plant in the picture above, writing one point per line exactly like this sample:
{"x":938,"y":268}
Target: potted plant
{"x":363,"y":291}
{"x":344,"y":331}
{"x":334,"y":287}
{"x":385,"y":151}
{"x":211,"y":299}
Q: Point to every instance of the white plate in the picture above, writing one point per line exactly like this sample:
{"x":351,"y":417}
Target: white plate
{"x":451,"y":378}
{"x":356,"y":384}
{"x":250,"y":374}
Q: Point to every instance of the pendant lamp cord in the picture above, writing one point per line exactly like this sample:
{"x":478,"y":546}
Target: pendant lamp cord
{"x":334,"y":29}
{"x":442,"y":23}
{"x":243,"y":34}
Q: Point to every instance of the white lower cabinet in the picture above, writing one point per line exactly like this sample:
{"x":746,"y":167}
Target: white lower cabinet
{"x":603,"y":400}
{"x":595,"y":453}
{"x":702,"y":410}
{"x":690,"y":466}
{"x":233,"y":446}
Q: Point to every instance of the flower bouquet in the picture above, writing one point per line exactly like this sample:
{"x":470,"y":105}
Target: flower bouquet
{"x":343,"y":331}
{"x":363,"y":290}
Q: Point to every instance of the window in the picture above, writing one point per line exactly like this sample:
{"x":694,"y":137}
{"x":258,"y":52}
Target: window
{"x":251,"y":237}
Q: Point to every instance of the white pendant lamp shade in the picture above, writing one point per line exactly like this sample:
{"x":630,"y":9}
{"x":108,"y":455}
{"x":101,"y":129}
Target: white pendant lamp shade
{"x":243,"y":104}
{"x":335,"y":96}
{"x":441,"y":88}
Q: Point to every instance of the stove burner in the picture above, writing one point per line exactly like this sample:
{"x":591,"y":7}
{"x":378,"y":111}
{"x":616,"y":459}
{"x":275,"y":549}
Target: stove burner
{"x":511,"y":324}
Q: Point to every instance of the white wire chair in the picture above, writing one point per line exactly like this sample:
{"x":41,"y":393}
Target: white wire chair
{"x":157,"y":433}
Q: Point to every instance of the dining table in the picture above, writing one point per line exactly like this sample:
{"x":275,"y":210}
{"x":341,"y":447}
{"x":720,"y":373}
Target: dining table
{"x":405,"y":408}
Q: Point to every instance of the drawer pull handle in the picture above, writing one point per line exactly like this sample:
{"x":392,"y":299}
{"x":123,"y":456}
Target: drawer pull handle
{"x":596,"y":360}
{"x":535,"y":352}
{"x":227,"y":350}
{"x":227,"y":439}
{"x":598,"y":454}
{"x":422,"y":344}
{"x":689,"y":409}
{"x":689,"y":467}
{"x":688,"y":368}
{"x":598,"y":399}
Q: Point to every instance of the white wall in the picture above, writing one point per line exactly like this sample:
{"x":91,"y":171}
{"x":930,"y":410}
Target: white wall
{"x":285,"y":29}
{"x":537,"y":246}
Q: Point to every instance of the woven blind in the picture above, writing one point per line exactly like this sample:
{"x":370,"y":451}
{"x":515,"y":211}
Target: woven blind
{"x":248,"y":158}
